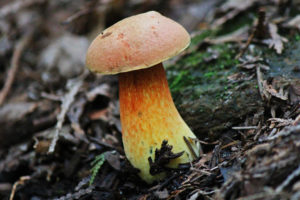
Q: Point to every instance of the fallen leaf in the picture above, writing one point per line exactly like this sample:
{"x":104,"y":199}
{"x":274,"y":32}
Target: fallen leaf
{"x":294,"y":23}
{"x":273,"y":92}
{"x":16,"y":111}
{"x":162,"y":194}
{"x":113,"y":158}
{"x":102,"y":89}
{"x":276,"y":41}
{"x":281,"y":122}
{"x":250,"y":62}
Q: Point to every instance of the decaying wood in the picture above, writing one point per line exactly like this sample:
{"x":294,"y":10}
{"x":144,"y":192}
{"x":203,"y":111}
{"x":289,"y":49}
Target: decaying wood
{"x":206,"y":116}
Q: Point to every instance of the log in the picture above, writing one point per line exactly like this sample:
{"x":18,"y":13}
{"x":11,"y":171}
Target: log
{"x":212,"y":93}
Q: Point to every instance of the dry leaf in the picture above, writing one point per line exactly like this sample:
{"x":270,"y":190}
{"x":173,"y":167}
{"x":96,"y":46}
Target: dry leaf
{"x":276,"y":41}
{"x":113,"y":158}
{"x":103,"y":89}
{"x":273,"y":92}
{"x":250,"y":62}
{"x":281,"y":122}
{"x":16,"y":111}
{"x":162,"y":194}
{"x":294,"y":23}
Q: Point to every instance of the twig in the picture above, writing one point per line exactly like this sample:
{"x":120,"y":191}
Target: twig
{"x":77,"y":194}
{"x":188,"y":143}
{"x":201,"y":192}
{"x":73,"y":85}
{"x":230,"y":144}
{"x":287,"y":181}
{"x":21,"y":181}
{"x":246,"y":46}
{"x":297,"y":120}
{"x":200,"y":171}
{"x":77,"y":15}
{"x":14,"y":65}
{"x":258,"y":32}
{"x":261,"y":84}
{"x":285,"y":132}
{"x":244,"y":127}
{"x":50,"y":96}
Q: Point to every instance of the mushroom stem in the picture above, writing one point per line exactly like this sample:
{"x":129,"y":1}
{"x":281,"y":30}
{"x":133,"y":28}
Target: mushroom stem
{"x":149,"y":116}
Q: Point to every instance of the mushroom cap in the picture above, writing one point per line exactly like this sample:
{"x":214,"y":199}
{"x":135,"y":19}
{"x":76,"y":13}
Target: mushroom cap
{"x":136,"y":42}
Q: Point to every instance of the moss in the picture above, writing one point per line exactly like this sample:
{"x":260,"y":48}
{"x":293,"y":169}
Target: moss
{"x":206,"y":98}
{"x":201,"y":36}
{"x":203,"y":71}
{"x":297,"y":37}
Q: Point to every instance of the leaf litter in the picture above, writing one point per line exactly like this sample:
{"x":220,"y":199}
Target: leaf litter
{"x":54,"y":103}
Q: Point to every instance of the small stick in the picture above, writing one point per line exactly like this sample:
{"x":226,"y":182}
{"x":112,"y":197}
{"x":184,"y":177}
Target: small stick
{"x":244,"y":127}
{"x":21,"y":181}
{"x":14,"y":66}
{"x":190,"y":147}
{"x":76,"y":15}
{"x":288,"y":180}
{"x":246,"y":47}
{"x":258,"y":32}
{"x":260,"y":82}
{"x":74,"y":86}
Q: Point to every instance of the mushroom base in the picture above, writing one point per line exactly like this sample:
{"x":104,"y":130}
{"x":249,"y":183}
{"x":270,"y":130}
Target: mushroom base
{"x":149,"y":116}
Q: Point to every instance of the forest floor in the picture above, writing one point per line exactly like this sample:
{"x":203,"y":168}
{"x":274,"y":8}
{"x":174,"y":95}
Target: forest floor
{"x":237,"y":86}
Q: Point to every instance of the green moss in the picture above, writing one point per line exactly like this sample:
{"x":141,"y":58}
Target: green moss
{"x":201,"y":36}
{"x":297,"y":37}
{"x":209,"y":74}
{"x":180,"y":80}
{"x":203,"y":72}
{"x":202,"y":92}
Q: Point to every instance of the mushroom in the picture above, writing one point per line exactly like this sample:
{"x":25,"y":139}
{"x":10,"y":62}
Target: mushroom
{"x":135,"y":47}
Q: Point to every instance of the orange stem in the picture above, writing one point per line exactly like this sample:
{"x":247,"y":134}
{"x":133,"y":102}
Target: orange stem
{"x":149,"y":116}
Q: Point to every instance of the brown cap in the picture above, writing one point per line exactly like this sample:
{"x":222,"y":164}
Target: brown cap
{"x":136,"y":42}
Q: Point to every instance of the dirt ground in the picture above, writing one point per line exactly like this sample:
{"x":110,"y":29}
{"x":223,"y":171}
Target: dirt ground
{"x":60,"y":129}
